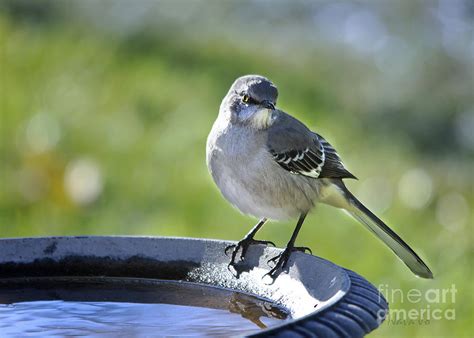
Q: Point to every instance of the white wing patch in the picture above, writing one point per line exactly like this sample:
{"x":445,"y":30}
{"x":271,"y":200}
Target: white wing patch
{"x":307,"y":162}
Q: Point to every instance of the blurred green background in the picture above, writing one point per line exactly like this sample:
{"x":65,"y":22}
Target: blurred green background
{"x":106,"y":106}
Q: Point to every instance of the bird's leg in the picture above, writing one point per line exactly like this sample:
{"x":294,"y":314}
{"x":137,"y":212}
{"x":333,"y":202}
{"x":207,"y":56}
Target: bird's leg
{"x":246,"y":242}
{"x":282,"y":259}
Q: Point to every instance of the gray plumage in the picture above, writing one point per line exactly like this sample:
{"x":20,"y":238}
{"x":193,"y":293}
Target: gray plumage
{"x":270,"y":165}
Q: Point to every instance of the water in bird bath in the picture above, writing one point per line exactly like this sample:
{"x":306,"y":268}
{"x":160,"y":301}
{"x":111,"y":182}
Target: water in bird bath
{"x":129,"y":307}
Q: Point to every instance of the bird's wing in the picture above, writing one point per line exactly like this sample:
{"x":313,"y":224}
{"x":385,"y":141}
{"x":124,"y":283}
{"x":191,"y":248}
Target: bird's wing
{"x":333,"y":166}
{"x":300,"y":151}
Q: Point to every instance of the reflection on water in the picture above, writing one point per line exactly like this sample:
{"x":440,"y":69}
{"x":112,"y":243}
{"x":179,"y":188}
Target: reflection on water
{"x":62,"y":318}
{"x":73,"y":308}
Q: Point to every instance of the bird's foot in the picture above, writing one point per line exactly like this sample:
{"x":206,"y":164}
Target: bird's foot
{"x":281,"y":260}
{"x":243,"y":246}
{"x":303,"y":249}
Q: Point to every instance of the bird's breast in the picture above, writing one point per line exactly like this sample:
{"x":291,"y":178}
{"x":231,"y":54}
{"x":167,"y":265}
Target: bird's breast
{"x":252,"y":181}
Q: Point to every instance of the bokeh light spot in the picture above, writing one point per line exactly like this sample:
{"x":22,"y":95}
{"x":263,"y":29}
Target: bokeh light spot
{"x":415,"y":188}
{"x":452,"y":211}
{"x":83,"y":181}
{"x":376,"y":193}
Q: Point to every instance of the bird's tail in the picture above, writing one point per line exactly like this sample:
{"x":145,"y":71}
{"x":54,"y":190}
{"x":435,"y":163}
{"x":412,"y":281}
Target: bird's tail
{"x":387,"y":235}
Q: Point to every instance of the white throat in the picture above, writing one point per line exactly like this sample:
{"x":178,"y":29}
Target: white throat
{"x":262,"y":119}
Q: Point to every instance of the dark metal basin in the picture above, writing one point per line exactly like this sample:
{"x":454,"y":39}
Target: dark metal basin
{"x":322,"y":299}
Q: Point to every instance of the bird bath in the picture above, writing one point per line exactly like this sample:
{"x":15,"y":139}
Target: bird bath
{"x":150,"y":286}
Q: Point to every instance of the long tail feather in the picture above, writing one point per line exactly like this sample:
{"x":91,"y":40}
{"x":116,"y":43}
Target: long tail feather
{"x":388,"y":236}
{"x":336,"y":194}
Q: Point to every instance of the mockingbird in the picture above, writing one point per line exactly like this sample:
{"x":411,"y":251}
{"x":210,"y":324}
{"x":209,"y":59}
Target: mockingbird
{"x":271,"y":166}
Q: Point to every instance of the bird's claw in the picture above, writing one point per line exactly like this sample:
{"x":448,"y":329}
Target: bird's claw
{"x":303,"y":249}
{"x":281,"y":260}
{"x":243,"y":246}
{"x":273,"y":259}
{"x":226,"y":250}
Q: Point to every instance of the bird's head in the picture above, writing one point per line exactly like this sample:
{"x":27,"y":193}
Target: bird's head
{"x":250,"y":101}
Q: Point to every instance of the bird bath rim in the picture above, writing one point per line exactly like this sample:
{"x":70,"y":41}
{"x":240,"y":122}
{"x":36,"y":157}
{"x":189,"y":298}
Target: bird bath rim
{"x":316,"y":292}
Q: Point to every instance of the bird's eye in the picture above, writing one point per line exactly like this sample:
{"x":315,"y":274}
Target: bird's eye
{"x":245,"y":99}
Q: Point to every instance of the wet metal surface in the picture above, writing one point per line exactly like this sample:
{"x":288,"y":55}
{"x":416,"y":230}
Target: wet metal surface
{"x":32,"y":270}
{"x":300,"y":290}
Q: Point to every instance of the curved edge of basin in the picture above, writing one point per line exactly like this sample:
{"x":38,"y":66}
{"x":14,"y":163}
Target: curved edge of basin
{"x":361,"y":310}
{"x":323,"y":299}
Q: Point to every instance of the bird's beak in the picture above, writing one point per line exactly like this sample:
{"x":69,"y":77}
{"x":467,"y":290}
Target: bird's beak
{"x":267,"y":104}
